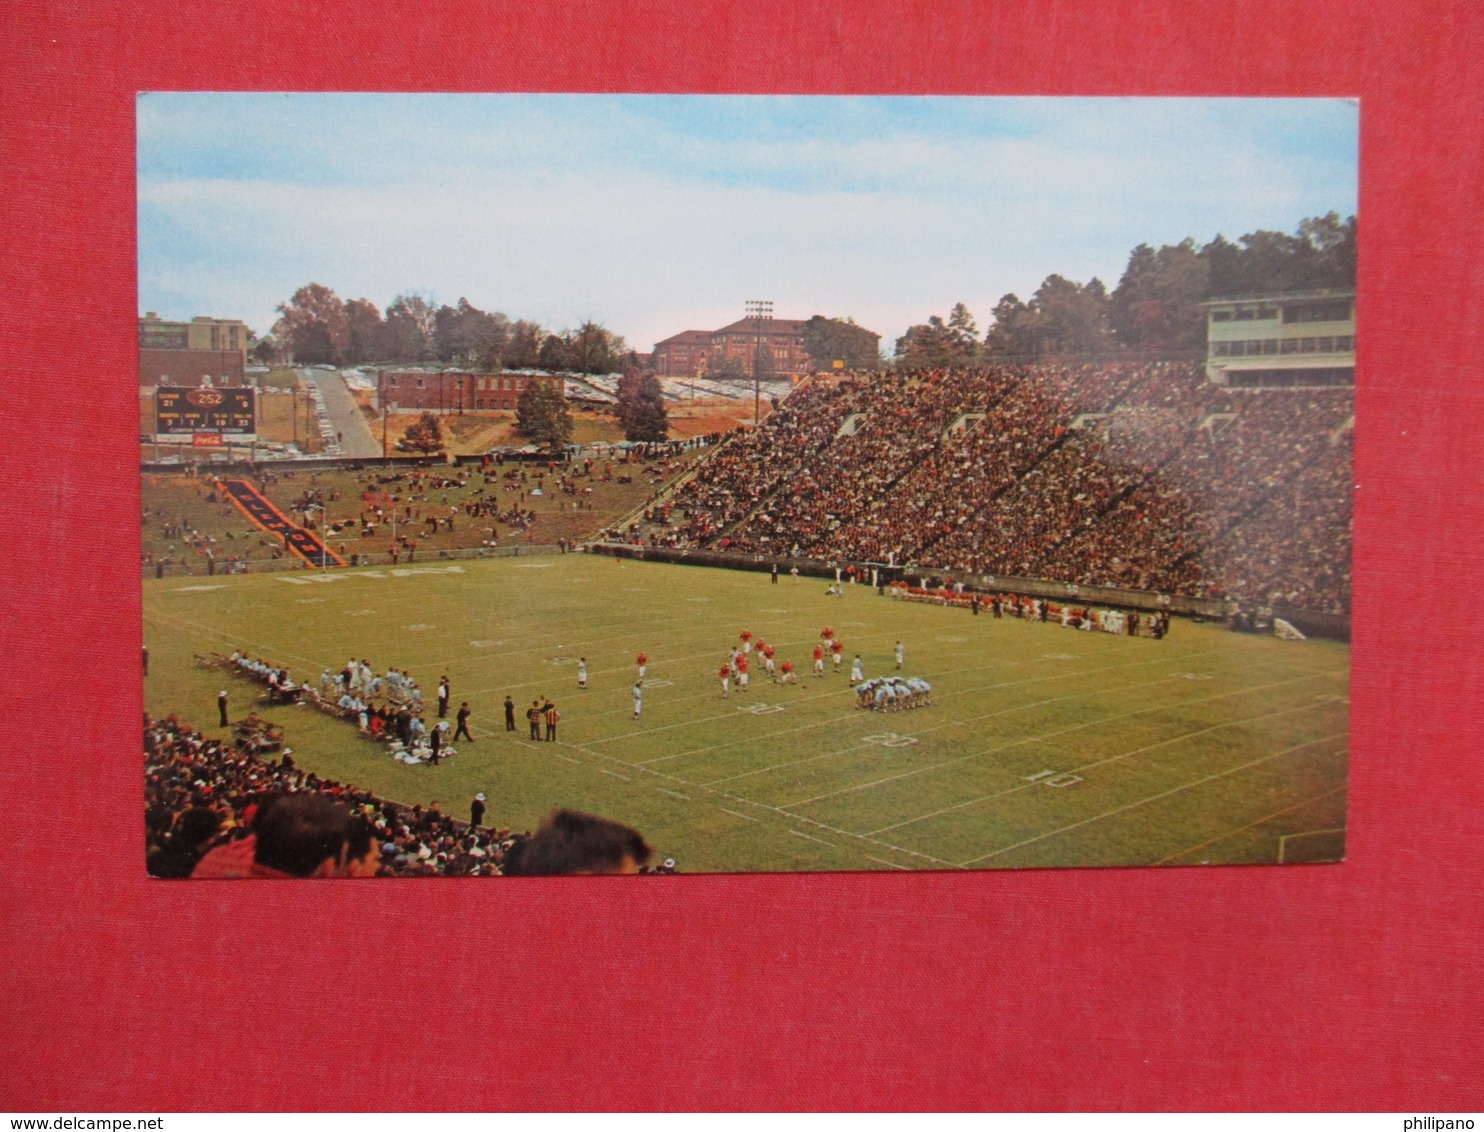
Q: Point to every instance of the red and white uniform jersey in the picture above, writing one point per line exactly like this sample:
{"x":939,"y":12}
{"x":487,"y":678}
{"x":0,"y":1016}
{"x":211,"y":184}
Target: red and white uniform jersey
{"x":742,"y":666}
{"x":837,"y":648}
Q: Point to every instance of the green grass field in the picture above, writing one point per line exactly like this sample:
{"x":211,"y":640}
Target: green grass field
{"x":1205,"y":747}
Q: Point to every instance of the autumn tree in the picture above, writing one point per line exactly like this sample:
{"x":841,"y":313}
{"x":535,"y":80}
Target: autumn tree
{"x":410,"y":324}
{"x":363,"y":331}
{"x":554,"y":356}
{"x":542,"y":415}
{"x":525,"y":344}
{"x":594,"y":348}
{"x":424,"y":435}
{"x":641,"y":407}
{"x":313,"y":325}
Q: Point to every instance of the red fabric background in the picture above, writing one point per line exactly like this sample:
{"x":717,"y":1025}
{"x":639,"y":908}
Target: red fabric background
{"x":1350,"y":986}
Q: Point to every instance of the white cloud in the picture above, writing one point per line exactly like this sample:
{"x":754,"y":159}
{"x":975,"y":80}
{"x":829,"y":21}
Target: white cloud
{"x":652,"y":227}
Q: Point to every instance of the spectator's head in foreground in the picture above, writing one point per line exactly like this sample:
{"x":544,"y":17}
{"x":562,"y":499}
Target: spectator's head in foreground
{"x":310,"y":835}
{"x":570,"y":843}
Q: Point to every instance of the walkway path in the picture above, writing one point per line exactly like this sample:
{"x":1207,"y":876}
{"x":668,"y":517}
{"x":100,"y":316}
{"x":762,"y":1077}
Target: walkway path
{"x":356,"y":437}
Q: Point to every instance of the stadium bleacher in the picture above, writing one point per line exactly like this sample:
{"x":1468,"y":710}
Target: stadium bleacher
{"x":1140,"y":475}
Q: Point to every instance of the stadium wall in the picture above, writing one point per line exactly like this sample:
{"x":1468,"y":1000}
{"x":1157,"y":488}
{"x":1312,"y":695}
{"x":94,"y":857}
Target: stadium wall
{"x":1310,"y":623}
{"x":197,"y":568}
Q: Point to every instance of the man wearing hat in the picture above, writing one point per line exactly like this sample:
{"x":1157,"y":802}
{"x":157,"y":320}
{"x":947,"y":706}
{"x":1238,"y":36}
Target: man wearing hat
{"x":476,"y":810}
{"x":221,"y":707}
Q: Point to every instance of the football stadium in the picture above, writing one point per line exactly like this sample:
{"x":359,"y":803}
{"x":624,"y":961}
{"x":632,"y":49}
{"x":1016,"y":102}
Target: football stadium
{"x":815,"y":582}
{"x":983,"y":617}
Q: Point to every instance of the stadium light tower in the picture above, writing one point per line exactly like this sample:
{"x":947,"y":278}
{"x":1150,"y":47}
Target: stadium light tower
{"x":758,"y":310}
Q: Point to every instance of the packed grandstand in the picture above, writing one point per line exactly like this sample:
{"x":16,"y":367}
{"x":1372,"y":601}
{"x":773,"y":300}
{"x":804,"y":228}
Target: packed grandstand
{"x":1142,"y":476}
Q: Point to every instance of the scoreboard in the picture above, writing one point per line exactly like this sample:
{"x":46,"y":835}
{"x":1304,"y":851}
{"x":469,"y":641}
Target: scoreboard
{"x":210,"y":416}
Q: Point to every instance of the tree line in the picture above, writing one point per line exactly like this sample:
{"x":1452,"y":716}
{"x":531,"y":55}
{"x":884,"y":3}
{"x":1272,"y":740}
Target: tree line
{"x":1155,"y":311}
{"x":316,"y":326}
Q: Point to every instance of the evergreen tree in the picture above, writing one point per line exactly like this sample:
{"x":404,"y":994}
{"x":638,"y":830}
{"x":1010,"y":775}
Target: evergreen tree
{"x":641,"y":407}
{"x":542,"y":415}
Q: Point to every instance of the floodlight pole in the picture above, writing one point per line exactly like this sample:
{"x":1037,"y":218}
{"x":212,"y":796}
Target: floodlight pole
{"x":757,"y":310}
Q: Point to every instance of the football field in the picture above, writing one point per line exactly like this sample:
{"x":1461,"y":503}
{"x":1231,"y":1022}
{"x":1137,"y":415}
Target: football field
{"x":1044,"y":746}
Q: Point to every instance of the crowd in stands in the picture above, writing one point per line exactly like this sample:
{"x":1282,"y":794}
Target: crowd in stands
{"x":202,"y":794}
{"x":1138,"y":475}
{"x":216,"y":810}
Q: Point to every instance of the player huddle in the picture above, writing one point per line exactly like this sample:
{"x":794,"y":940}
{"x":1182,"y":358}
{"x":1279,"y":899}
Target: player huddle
{"x":893,"y":693}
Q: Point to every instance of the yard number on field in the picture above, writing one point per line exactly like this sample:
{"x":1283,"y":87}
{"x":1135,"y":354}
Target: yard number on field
{"x":1053,"y":778}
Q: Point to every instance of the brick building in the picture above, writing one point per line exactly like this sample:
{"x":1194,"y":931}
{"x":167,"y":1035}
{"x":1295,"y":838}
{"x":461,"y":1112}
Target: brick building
{"x":701,"y":351}
{"x":453,"y":391}
{"x":182,"y":353}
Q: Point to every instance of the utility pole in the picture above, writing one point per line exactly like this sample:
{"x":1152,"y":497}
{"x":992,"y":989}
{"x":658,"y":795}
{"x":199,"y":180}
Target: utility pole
{"x":381,"y":396}
{"x":758,"y":310}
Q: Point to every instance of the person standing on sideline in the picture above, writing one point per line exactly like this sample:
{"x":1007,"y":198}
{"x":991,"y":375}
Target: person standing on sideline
{"x":582,"y":672}
{"x":146,"y":659}
{"x":794,"y":571}
{"x":443,"y":694}
{"x":533,"y":717}
{"x":775,"y":573}
{"x":553,"y":717}
{"x":638,"y":694}
{"x":221,"y":707}
{"x":476,"y":810}
{"x":463,"y":718}
{"x":509,"y":714}
{"x":901,"y":653}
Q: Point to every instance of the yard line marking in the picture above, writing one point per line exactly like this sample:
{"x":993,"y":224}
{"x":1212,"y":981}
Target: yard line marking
{"x":674,"y":794}
{"x":1266,"y":817}
{"x":1029,"y":739}
{"x":735,"y":814}
{"x":941,"y":696}
{"x":605,"y":770}
{"x":1154,"y":798}
{"x":1096,"y":763}
{"x":1046,"y":735}
{"x":753,"y":804}
{"x":889,"y":864}
{"x":565,"y":759}
{"x":206,"y":630}
{"x":807,"y":837}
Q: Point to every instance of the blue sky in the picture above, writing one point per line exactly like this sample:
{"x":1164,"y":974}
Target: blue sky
{"x":659,"y":213}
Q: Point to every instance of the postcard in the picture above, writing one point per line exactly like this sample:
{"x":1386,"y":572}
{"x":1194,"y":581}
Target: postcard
{"x":546,"y":484}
